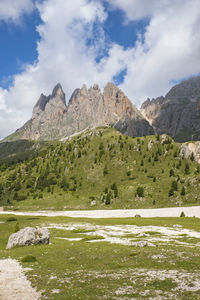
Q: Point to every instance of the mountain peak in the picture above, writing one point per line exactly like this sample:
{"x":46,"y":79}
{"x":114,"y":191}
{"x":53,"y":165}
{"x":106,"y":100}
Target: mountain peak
{"x":87,"y":108}
{"x":189,"y":88}
{"x":58,"y":91}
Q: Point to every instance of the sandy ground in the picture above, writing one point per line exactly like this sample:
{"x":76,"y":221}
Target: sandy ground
{"x":116,"y":213}
{"x":13,"y":283}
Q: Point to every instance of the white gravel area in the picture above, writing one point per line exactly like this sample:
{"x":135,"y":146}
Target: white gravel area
{"x":192,"y":211}
{"x":13,"y":282}
{"x":129,"y":234}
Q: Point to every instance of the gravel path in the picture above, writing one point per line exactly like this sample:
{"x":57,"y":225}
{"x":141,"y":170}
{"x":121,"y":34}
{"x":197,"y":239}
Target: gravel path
{"x":13,"y":283}
{"x":116,"y":213}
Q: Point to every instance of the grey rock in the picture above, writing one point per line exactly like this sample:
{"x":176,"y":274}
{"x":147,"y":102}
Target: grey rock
{"x":143,"y":234}
{"x":93,"y":203}
{"x":142,"y":244}
{"x":137,"y":216}
{"x":188,"y":148}
{"x":150,"y":145}
{"x":29,"y":236}
{"x":87,"y":108}
{"x":178,"y":113}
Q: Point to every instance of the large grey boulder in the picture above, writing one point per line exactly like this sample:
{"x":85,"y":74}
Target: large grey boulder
{"x":29,"y":236}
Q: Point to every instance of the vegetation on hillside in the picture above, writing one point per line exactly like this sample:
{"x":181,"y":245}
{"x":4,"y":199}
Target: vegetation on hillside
{"x":100,"y":169}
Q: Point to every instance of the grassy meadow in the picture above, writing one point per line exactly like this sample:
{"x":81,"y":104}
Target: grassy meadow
{"x":91,"y":268}
{"x":98,"y":169}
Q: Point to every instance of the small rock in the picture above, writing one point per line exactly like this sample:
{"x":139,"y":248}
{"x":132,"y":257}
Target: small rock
{"x":177,"y":225}
{"x":137,"y":216}
{"x":29,"y":236}
{"x":93,"y":203}
{"x":150,"y":144}
{"x":142,"y":244}
{"x":142,"y":234}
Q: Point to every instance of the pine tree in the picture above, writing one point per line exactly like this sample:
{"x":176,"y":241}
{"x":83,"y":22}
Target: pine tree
{"x":140,"y":191}
{"x":183,"y":191}
{"x":187,"y":168}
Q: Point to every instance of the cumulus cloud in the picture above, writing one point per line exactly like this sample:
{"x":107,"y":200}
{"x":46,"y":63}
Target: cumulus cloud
{"x":169,"y":49}
{"x":139,"y":9}
{"x":72,"y":37}
{"x":12,"y":10}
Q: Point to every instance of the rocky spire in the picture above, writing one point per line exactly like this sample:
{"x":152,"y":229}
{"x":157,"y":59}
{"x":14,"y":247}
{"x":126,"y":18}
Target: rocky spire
{"x":87,"y":108}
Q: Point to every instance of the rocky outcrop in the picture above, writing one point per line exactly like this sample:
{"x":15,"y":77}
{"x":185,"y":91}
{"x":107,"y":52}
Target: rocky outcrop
{"x":29,"y":236}
{"x":178,"y":113}
{"x":87,"y":108}
{"x":189,"y":149}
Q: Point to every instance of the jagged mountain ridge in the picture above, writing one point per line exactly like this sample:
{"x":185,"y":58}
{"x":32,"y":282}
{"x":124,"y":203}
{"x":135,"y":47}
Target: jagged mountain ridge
{"x":53,"y":119}
{"x":178,"y":113}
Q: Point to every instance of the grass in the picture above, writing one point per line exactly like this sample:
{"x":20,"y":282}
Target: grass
{"x":92,"y":238}
{"x":11,"y":219}
{"x":70,"y":175}
{"x":28,"y":259}
{"x":83,"y":230}
{"x":95,"y":270}
{"x":164,"y":285}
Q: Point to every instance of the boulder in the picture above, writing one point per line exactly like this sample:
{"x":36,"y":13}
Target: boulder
{"x":29,"y":236}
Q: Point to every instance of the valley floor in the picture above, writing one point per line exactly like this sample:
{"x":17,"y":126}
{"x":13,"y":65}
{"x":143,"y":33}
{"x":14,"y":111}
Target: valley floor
{"x":113,"y":258}
{"x":192,"y":211}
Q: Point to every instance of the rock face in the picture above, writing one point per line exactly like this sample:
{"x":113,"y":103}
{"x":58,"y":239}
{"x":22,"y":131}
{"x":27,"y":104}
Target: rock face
{"x":87,"y":108}
{"x":29,"y":236}
{"x":178,"y":113}
{"x":188,"y":148}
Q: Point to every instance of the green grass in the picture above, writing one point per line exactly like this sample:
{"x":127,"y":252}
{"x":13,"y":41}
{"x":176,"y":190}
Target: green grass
{"x":82,"y":270}
{"x":100,"y":165}
{"x":28,"y":259}
{"x":165,"y":285}
{"x":82,"y":230}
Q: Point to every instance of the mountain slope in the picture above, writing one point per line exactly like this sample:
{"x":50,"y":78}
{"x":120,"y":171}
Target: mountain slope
{"x":101,"y":169}
{"x":178,"y":113}
{"x":87,"y":108}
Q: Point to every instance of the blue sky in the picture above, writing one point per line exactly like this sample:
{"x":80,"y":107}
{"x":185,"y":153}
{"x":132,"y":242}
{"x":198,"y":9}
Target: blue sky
{"x":18,"y":46}
{"x":142,"y":46}
{"x":19,"y":42}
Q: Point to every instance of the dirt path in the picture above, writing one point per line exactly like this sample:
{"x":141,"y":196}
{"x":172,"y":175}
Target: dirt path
{"x":13,"y":283}
{"x":117,"y":213}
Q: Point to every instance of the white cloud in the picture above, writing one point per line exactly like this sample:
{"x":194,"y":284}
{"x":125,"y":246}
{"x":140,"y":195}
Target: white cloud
{"x":170,"y":49}
{"x":12,"y":10}
{"x":69,"y":45}
{"x":139,"y":9}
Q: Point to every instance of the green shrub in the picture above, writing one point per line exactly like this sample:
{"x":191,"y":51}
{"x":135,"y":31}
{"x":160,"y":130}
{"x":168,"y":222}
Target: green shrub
{"x":140,"y":191}
{"x":182,"y":215}
{"x":11,"y":219}
{"x":171,"y":192}
{"x":29,"y":258}
{"x":128,"y":173}
{"x":183,"y":191}
{"x":16,"y":229}
{"x":187,"y":169}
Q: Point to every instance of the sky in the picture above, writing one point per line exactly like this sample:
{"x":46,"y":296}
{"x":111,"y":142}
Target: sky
{"x":143,"y":46}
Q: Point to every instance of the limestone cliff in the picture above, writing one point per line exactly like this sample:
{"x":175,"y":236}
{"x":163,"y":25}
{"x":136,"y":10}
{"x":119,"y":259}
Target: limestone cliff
{"x":178,"y":113}
{"x":87,"y":108}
